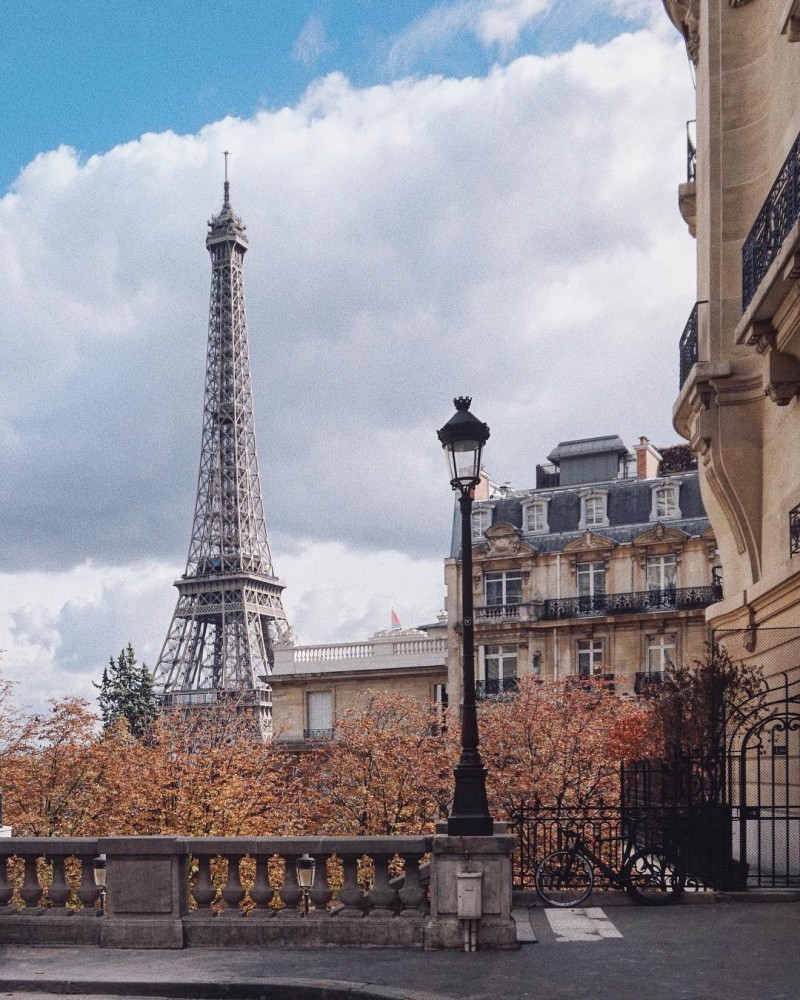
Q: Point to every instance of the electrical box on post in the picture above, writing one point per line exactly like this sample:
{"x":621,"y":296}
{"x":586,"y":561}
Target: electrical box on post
{"x":470,"y":895}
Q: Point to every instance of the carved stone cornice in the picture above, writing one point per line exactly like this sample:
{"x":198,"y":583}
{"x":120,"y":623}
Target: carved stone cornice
{"x":685,"y":15}
{"x":503,"y":541}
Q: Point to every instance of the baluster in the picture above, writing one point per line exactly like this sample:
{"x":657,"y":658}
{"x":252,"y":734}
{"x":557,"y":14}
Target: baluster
{"x":6,"y":888}
{"x":380,"y":897}
{"x":321,"y":891}
{"x":88,"y":892}
{"x":291,"y":893}
{"x":31,"y":891}
{"x":262,"y":892}
{"x":219,"y":870}
{"x":204,"y":890}
{"x":59,"y":888}
{"x":233,"y":890}
{"x":412,"y":895}
{"x":350,"y":894}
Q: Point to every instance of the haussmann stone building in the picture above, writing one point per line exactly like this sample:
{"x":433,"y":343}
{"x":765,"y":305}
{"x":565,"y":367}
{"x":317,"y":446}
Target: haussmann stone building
{"x":604,"y":568}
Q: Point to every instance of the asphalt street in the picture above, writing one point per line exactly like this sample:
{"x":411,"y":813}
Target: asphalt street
{"x":723,"y":951}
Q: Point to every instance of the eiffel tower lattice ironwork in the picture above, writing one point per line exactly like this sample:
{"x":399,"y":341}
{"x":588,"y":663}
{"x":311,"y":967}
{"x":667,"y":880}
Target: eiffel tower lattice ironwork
{"x":229,"y":611}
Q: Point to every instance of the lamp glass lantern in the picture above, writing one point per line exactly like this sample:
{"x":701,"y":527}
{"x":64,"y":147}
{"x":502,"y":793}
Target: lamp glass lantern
{"x":463,"y":438}
{"x":306,"y":867}
{"x":99,"y":866}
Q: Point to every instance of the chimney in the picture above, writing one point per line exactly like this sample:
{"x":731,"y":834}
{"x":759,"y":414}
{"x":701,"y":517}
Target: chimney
{"x":481,"y":491}
{"x":648,"y":460}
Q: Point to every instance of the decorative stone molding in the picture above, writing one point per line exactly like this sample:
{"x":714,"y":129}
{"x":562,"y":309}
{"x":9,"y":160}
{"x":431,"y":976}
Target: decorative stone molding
{"x":710,"y":541}
{"x":762,"y":336}
{"x":588,"y":545}
{"x":503,"y":540}
{"x":666,"y":540}
{"x":685,"y":15}
{"x":782,"y":378}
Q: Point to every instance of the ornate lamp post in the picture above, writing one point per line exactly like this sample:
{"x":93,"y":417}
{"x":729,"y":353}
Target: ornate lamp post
{"x":463,"y":438}
{"x":306,"y":866}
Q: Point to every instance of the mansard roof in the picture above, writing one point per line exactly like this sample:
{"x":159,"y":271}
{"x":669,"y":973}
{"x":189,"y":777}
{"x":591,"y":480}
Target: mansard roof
{"x":629,"y":505}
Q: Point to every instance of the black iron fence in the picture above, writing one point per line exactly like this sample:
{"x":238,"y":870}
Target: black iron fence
{"x":671,"y":599}
{"x":778,"y":214}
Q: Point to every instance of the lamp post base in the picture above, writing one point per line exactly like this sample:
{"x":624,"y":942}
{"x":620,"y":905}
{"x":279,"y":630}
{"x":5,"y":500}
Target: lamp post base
{"x":470,"y":814}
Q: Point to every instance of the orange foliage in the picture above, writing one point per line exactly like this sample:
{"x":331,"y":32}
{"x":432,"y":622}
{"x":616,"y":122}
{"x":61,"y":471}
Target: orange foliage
{"x":388,"y":772}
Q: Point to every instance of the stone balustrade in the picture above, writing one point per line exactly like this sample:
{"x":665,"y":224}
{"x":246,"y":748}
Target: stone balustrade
{"x":174,"y":892}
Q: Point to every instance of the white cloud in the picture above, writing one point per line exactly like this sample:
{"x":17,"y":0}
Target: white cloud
{"x":312,"y":42}
{"x":514,"y":237}
{"x":495,"y":24}
{"x":501,"y":21}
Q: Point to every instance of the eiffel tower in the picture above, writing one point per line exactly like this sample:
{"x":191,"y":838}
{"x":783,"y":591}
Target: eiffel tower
{"x":229,"y":611}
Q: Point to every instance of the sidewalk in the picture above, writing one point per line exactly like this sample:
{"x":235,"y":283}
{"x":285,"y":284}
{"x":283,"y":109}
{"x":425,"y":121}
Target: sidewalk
{"x":736,"y":951}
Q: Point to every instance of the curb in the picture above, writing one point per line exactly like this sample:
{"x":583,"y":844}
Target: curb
{"x":262,"y":989}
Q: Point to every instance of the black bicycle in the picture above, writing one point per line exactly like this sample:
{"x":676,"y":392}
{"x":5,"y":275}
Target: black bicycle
{"x":566,"y":878}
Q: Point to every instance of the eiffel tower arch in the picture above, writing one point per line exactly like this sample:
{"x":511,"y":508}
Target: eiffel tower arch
{"x":229,"y":612}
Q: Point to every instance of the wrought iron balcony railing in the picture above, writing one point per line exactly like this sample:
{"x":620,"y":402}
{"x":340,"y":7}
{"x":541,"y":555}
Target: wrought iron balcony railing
{"x":777,"y":216}
{"x":687,"y":348}
{"x":691,"y":150}
{"x":671,"y":599}
{"x":647,"y":678}
{"x":794,"y":530}
{"x":496,"y":688}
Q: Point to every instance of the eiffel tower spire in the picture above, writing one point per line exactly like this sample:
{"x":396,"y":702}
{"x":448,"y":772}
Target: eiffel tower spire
{"x":229,"y":610}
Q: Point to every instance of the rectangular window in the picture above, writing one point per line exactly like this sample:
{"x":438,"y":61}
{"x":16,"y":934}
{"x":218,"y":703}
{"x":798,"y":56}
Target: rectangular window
{"x":661,"y":653}
{"x":439,"y":698}
{"x":499,"y":670}
{"x":666,"y":502}
{"x":662,"y":572}
{"x":319,"y":709}
{"x":503,"y":588}
{"x":595,"y":509}
{"x":591,"y":578}
{"x":590,"y":657}
{"x":535,"y":517}
{"x":481,"y":519}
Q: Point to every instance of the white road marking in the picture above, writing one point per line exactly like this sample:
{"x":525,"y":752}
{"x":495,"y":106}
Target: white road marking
{"x":581,"y":924}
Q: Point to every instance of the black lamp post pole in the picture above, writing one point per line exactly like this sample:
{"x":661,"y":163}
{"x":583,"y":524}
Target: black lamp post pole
{"x":470,"y":815}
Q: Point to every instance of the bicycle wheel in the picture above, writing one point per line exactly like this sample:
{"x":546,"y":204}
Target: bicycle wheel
{"x":652,"y":879}
{"x":564,"y":878}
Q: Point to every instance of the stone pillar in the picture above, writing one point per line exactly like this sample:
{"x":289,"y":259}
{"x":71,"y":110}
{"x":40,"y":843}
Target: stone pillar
{"x":490,"y":855}
{"x":147,"y":892}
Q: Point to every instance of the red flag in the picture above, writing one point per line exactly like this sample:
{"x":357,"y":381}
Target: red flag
{"x":395,"y":620}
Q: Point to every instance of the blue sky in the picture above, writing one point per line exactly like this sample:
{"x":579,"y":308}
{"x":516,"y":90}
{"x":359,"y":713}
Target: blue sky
{"x":94,"y":73}
{"x":471,"y":197}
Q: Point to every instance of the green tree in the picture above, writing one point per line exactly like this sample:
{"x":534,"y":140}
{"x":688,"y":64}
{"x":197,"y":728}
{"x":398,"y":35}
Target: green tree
{"x":127,"y":692}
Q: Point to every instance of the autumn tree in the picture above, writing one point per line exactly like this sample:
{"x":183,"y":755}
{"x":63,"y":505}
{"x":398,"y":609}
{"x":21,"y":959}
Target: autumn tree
{"x":388,"y":772}
{"x":691,"y":705}
{"x":127,"y":692}
{"x":561,"y":743}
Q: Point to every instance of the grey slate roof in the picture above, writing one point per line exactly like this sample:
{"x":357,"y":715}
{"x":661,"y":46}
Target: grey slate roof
{"x":629,"y":505}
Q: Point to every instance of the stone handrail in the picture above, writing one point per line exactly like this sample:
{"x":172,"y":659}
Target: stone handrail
{"x":358,"y":650}
{"x":172,"y":892}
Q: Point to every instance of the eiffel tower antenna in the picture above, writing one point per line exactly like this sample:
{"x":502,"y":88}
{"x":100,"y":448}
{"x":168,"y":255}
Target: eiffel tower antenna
{"x":229,"y":611}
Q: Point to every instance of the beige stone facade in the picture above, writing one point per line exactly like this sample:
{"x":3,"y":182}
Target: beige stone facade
{"x":738,"y":405}
{"x":586,"y":575}
{"x":312,"y":686}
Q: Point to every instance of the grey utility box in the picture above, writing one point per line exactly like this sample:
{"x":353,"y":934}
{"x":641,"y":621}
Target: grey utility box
{"x":470,"y":895}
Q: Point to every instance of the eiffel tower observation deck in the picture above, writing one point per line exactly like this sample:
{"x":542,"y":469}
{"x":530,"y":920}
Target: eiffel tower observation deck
{"x":229,"y":611}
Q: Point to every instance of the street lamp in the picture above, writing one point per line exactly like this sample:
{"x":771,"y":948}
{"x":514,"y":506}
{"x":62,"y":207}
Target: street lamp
{"x":99,"y":866}
{"x":463,"y":438}
{"x":305,"y":868}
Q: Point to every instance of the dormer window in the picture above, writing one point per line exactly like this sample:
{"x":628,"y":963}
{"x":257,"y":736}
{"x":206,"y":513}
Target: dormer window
{"x":594,"y":513}
{"x":481,"y":519}
{"x":665,"y":502}
{"x":536,"y":517}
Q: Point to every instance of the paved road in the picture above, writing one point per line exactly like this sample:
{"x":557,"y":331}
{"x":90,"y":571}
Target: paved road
{"x":725,"y":951}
